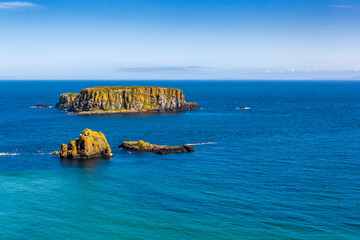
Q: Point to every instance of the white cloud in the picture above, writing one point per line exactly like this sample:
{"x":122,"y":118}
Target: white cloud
{"x":12,"y":5}
{"x":165,"y":69}
{"x":343,"y":6}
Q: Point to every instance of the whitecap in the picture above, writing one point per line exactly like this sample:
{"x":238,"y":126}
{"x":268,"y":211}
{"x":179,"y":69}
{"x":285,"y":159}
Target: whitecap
{"x":205,"y":143}
{"x":9,"y":154}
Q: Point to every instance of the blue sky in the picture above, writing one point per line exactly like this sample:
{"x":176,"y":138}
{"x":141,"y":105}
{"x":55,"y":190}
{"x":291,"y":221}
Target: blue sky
{"x":180,"y":39}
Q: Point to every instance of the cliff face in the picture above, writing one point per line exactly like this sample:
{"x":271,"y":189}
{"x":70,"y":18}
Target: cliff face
{"x":90,"y":144}
{"x":66,"y":100}
{"x":125,"y":99}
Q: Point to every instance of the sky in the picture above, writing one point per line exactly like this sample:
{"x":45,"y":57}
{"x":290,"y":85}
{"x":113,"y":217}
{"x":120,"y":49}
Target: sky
{"x":179,"y":39}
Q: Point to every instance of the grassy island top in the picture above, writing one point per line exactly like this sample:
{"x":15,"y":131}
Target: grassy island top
{"x":72,"y":94}
{"x":109,"y":88}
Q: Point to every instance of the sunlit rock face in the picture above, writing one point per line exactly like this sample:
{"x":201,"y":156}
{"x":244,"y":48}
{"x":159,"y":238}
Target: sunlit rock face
{"x":105,"y":100}
{"x":141,"y":146}
{"x":90,"y":144}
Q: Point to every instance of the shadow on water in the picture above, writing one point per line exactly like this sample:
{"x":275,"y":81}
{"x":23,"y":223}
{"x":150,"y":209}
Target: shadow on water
{"x":85,"y":163}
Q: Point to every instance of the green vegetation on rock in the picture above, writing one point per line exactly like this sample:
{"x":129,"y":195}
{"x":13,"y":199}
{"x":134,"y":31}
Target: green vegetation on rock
{"x":98,"y":100}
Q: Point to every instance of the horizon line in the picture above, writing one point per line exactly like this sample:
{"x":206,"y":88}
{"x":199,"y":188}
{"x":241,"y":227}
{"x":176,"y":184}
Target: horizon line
{"x":347,"y":80}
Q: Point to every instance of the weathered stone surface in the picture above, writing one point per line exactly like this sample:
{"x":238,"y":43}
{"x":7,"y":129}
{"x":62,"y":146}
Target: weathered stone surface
{"x":111,"y":100}
{"x":142,"y":146}
{"x":66,"y":100}
{"x":90,"y":144}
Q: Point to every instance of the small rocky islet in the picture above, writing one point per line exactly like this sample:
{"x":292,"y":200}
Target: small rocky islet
{"x":90,"y":144}
{"x":141,"y":146}
{"x":42,"y":106}
{"x":124,"y":99}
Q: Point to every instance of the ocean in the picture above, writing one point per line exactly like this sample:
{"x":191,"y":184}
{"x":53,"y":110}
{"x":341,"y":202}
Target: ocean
{"x":286,"y":167}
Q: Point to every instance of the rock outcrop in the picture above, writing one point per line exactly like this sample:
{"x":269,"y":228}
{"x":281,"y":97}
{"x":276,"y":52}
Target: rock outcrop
{"x":67,"y":100}
{"x":141,"y":146}
{"x":108,"y":100}
{"x":90,"y":144}
{"x":42,"y":106}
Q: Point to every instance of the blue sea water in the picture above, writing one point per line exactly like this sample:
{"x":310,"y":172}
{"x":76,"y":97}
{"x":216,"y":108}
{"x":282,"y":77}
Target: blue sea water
{"x":287,"y":168}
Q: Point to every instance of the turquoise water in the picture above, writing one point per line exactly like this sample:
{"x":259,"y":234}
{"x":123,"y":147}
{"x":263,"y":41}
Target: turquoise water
{"x":287,"y":168}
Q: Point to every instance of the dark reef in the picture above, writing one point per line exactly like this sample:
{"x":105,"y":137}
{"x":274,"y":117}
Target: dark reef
{"x":141,"y":146}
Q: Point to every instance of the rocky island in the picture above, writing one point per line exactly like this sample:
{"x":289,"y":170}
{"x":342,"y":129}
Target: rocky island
{"x":90,"y":144}
{"x":124,"y":99}
{"x":141,"y":146}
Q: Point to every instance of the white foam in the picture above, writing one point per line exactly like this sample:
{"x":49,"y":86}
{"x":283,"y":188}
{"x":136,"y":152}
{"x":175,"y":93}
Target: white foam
{"x":9,"y":154}
{"x":205,"y":143}
{"x":243,"y":108}
{"x":39,"y":107}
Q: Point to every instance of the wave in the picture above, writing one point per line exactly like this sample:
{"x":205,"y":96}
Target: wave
{"x":205,"y":143}
{"x":9,"y":154}
{"x":38,"y":152}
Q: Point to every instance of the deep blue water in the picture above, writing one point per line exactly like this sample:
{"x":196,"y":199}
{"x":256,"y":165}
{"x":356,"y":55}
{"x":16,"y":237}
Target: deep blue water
{"x":288,"y":168}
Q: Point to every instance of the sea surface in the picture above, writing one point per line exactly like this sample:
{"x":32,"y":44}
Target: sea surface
{"x":287,"y":167}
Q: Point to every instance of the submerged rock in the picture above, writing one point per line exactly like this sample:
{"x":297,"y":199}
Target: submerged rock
{"x":55,"y":153}
{"x":90,"y":144}
{"x":124,"y":99}
{"x":142,"y":146}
